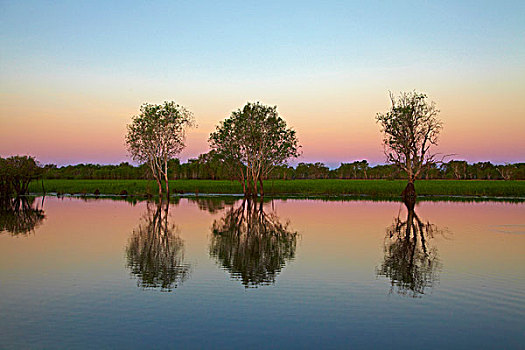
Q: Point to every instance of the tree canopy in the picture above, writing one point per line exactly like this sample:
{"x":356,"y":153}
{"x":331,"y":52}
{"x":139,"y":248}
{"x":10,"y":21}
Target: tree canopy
{"x":410,"y":128}
{"x":16,"y":173}
{"x":157,"y":135}
{"x":252,"y":142}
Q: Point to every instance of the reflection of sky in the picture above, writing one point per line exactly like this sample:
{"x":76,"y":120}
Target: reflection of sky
{"x":93,"y":233}
{"x":68,"y":281}
{"x":513,"y":229}
{"x":71,"y":72}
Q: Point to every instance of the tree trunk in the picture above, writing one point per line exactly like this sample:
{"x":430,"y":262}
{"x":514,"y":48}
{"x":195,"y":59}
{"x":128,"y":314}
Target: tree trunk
{"x":159,"y":183}
{"x":262,"y":189}
{"x":166,"y":179}
{"x":409,"y":195}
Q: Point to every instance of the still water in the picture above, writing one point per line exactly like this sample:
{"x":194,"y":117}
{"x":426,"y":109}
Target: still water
{"x":223,"y":273}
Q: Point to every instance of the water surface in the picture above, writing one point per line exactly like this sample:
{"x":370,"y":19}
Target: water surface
{"x":292,"y":273}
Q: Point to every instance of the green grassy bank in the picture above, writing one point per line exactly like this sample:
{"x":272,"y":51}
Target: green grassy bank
{"x":378,"y":188}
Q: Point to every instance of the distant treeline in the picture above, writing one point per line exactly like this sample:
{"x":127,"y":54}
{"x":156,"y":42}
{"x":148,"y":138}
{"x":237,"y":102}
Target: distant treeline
{"x":208,"y":168}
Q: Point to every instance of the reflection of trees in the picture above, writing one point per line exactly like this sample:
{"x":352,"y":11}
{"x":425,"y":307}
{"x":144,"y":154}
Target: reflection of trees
{"x":251,"y":244}
{"x":409,"y":262}
{"x":20,"y":216}
{"x":212,"y":204}
{"x":155,"y":252}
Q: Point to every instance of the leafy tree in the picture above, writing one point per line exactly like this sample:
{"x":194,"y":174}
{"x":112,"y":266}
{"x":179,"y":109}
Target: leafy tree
{"x":312,"y":171}
{"x":355,"y":170}
{"x":506,"y":171}
{"x":483,"y":171}
{"x":252,"y":142}
{"x":456,"y":169}
{"x":410,"y":128}
{"x":157,"y":135}
{"x":16,"y":173}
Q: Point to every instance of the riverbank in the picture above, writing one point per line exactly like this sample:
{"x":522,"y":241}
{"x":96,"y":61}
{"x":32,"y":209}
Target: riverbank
{"x":330,"y":187}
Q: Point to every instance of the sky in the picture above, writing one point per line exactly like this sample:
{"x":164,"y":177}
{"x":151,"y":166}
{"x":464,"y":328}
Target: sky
{"x":72,"y":74}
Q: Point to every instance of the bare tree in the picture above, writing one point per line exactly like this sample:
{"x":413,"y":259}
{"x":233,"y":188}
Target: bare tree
{"x":157,"y":135}
{"x":410,"y":128}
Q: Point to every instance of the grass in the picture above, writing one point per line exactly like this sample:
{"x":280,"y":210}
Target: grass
{"x":374,"y":188}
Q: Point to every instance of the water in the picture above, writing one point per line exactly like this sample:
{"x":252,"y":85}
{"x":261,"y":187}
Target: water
{"x":299,"y":273}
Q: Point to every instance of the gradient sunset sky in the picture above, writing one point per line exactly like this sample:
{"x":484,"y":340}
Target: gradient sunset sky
{"x":72,"y":73}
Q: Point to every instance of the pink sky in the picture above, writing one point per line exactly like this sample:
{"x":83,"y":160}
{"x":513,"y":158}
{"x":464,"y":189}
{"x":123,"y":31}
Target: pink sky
{"x":334,"y":124}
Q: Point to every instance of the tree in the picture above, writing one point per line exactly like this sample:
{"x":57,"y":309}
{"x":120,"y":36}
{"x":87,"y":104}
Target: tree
{"x":252,"y":142}
{"x":506,"y":171}
{"x":410,"y":128}
{"x":157,"y":135}
{"x":16,"y":173}
{"x":456,"y":169}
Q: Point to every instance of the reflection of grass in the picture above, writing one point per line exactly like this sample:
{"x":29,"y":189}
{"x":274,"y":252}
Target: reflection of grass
{"x":378,"y":188}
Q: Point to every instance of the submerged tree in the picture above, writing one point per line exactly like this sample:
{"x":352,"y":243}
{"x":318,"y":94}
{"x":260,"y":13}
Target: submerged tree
{"x":409,"y":262}
{"x":155,"y":253}
{"x":252,"y":142}
{"x":157,"y":135}
{"x":251,"y":244}
{"x":410,"y":128}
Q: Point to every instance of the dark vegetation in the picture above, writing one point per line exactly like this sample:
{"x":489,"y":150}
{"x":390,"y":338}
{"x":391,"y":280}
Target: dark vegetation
{"x":16,"y":173}
{"x":207,"y":176}
{"x":206,"y":167}
{"x":20,"y":215}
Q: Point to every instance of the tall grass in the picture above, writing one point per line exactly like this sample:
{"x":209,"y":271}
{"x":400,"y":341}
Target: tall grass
{"x":376,"y":188}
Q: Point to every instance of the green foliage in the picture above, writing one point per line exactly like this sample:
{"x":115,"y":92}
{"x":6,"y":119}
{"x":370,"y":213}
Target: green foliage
{"x":209,"y":167}
{"x":157,"y":135}
{"x":16,"y":173}
{"x":330,"y":187}
{"x":252,"y":142}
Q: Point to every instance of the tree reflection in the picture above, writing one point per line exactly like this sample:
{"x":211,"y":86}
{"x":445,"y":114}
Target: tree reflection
{"x":155,"y":252}
{"x":409,"y":262}
{"x":20,"y":215}
{"x":212,"y":204}
{"x":251,"y":244}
